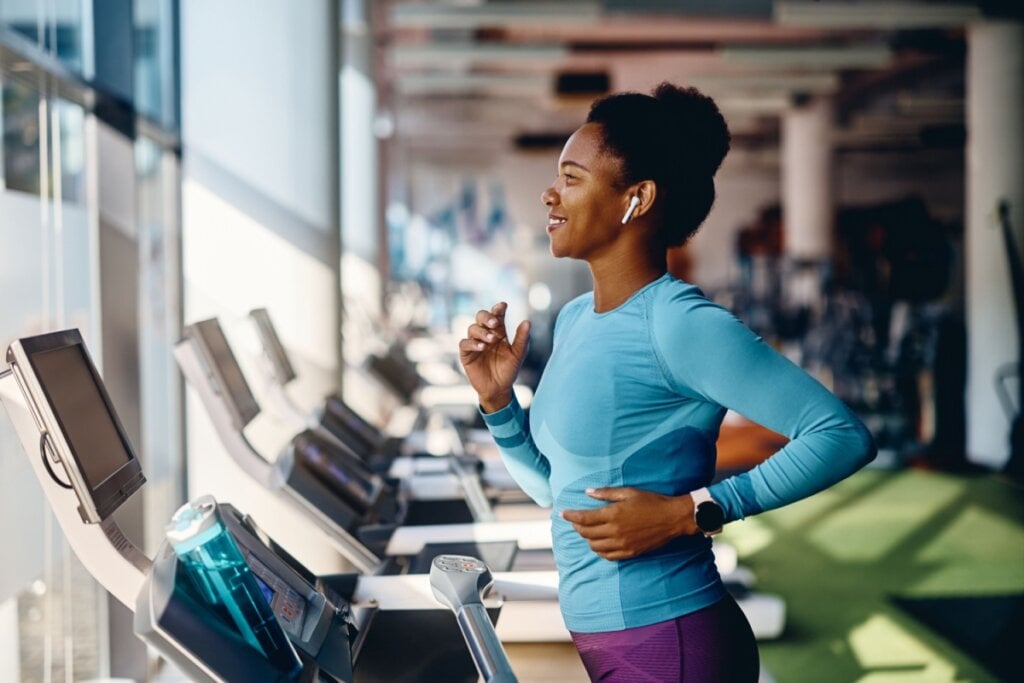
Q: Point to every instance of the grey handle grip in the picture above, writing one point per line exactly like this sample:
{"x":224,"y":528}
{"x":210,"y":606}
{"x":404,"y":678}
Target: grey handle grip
{"x":457,"y":582}
{"x":484,"y":646}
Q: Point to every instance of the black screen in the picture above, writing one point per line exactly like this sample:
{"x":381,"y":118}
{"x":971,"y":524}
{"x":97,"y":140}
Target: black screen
{"x":346,"y":476}
{"x":94,"y":438}
{"x":226,"y":366}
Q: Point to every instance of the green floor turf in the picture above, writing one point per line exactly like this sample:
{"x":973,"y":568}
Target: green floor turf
{"x":903,"y":576}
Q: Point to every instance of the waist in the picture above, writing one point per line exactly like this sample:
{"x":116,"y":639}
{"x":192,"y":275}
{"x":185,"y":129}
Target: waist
{"x":599,"y":594}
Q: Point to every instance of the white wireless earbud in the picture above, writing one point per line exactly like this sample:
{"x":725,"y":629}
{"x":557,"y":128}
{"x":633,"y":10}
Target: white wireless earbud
{"x":634,"y":202}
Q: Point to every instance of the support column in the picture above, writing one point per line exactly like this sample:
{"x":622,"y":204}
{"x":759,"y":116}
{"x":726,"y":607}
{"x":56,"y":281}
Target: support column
{"x":807,"y":195}
{"x":808,"y":210}
{"x":995,"y":172}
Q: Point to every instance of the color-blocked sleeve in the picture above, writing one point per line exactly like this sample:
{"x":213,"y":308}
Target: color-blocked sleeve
{"x":707,"y":353}
{"x":510,"y":428}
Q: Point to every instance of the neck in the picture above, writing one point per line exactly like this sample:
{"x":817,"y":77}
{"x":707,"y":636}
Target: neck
{"x":617,"y":279}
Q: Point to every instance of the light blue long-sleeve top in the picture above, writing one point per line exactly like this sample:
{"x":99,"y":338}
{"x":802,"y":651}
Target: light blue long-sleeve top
{"x":635,"y":397}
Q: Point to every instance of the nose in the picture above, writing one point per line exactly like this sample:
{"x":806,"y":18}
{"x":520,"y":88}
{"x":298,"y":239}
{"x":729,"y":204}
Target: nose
{"x":548,"y":197}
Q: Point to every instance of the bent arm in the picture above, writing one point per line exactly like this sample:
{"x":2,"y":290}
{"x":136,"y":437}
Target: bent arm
{"x":510,"y":428}
{"x":721,"y":360}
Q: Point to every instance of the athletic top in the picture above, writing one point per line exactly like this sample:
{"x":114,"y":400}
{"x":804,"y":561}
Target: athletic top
{"x":635,"y":397}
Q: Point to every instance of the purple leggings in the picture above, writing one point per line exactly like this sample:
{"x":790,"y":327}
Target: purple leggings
{"x":712,"y":645}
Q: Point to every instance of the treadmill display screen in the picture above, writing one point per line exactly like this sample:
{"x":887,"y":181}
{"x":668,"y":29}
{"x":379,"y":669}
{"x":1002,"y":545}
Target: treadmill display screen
{"x":227,"y":371}
{"x":78,"y":405}
{"x":289,"y":607}
{"x":268,"y":594}
{"x":350,"y":480}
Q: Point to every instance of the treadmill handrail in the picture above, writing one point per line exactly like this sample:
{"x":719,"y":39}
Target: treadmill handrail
{"x":530,"y":535}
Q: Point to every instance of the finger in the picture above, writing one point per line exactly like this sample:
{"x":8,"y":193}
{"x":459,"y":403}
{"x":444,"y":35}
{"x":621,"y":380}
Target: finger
{"x":612,"y":493}
{"x":492,"y":322}
{"x":499,"y":310}
{"x":471,"y":347}
{"x":617,"y":555}
{"x":594,"y":533}
{"x":480,"y":333}
{"x":585,"y":517}
{"x":522,"y":339}
{"x":603,"y":546}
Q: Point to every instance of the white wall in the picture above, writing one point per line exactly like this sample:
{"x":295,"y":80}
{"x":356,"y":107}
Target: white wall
{"x":257,"y":220}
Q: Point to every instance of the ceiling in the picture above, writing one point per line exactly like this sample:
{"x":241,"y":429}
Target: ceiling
{"x":475,"y":76}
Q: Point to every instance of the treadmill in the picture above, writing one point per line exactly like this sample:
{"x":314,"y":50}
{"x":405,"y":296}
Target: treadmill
{"x":321,"y":628}
{"x":384,"y":453}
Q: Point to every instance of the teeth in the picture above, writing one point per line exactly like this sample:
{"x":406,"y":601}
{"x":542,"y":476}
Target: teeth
{"x":555,"y":221}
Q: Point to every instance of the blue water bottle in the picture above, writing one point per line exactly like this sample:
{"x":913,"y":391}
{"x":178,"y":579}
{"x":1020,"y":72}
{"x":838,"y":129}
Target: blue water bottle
{"x":210,"y":556}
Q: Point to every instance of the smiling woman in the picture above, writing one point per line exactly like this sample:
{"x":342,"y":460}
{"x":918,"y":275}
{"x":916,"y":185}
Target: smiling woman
{"x":620,"y":439}
{"x":583,"y":218}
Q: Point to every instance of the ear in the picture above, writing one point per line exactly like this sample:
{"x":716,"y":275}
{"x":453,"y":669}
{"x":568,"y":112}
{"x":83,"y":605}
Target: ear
{"x":645,"y":191}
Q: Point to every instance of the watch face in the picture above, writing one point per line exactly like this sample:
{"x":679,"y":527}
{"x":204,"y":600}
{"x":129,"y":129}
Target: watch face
{"x":710,"y":516}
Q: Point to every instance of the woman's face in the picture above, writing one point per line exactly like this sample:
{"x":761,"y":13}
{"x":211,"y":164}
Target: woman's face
{"x":584,"y":207}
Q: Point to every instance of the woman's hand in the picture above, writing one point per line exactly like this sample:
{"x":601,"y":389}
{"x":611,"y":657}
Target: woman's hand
{"x":633,"y":523}
{"x":491,"y":362}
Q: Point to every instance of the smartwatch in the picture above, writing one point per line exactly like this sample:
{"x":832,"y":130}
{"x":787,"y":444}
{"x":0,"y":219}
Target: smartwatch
{"x":707,"y":513}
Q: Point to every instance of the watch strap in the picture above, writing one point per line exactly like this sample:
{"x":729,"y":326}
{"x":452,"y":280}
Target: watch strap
{"x":700,"y":496}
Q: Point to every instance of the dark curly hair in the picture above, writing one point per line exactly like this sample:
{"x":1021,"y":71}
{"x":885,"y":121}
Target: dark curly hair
{"x":675,"y":137}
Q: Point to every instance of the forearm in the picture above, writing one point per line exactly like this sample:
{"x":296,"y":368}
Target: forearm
{"x":526,"y":464}
{"x":729,"y":366}
{"x":808,"y":464}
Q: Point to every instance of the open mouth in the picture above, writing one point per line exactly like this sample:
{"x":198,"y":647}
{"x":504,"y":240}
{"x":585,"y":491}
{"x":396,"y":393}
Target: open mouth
{"x":555,"y":222}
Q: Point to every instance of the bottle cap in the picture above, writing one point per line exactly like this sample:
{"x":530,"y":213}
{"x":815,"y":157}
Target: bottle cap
{"x":193,"y":524}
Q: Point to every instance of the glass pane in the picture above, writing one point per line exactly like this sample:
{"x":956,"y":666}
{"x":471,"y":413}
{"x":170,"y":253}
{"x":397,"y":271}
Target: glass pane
{"x":56,"y":26}
{"x":67,"y":29}
{"x":47,"y":265}
{"x":21,"y":138}
{"x":155,"y":89}
{"x":72,"y":151}
{"x":24,"y":17}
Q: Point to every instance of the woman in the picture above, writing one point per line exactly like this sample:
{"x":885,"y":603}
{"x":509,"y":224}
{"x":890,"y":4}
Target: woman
{"x":621,"y":436}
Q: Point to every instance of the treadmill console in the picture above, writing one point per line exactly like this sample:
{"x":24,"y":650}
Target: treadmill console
{"x":289,"y":607}
{"x":77,"y":422}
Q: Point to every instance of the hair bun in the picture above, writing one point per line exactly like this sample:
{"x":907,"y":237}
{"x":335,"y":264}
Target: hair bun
{"x":703,"y":132}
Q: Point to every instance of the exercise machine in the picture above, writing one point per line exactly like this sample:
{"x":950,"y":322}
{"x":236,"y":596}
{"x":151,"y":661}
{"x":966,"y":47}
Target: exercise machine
{"x":291,"y":625}
{"x":401,"y":457}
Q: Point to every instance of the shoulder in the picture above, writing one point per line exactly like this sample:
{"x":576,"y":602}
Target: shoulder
{"x":674,"y":296}
{"x":679,"y":308}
